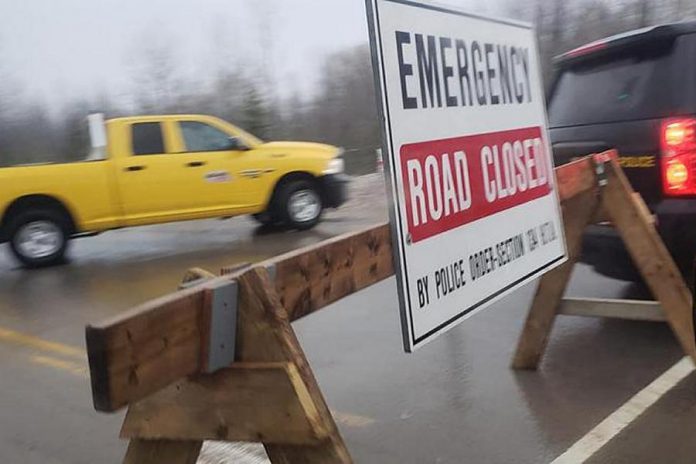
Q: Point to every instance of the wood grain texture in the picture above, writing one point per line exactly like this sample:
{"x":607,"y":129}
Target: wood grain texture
{"x":578,"y":212}
{"x":309,"y":279}
{"x":288,"y":415}
{"x":159,"y":342}
{"x":194,"y":276}
{"x":575,"y":178}
{"x":643,"y":209}
{"x":145,"y":349}
{"x":266,"y":335}
{"x":255,"y":402}
{"x":636,"y":310}
{"x":650,"y":256}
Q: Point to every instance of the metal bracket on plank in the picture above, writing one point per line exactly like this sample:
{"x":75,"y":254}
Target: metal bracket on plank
{"x":600,"y":170}
{"x":223,"y":326}
{"x":224,"y":309}
{"x":600,"y":162}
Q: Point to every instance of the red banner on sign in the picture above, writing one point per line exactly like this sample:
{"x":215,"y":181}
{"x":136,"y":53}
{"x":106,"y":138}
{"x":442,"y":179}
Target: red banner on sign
{"x":452,"y":182}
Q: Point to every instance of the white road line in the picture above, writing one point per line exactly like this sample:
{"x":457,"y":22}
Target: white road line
{"x":610,"y":427}
{"x":232,"y":453}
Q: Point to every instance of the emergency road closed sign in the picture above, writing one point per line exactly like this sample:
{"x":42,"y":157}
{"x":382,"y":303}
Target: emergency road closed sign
{"x":474,"y":209}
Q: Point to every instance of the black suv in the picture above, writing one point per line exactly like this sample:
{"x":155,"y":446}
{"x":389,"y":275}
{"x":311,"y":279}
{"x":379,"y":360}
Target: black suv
{"x":635,"y":92}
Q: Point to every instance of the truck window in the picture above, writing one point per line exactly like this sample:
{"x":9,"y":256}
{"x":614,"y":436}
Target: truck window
{"x":199,"y":136}
{"x":147,"y":138}
{"x":637,"y":84}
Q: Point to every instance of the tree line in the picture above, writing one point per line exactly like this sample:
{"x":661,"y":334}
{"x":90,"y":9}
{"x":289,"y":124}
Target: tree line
{"x":341,"y":110}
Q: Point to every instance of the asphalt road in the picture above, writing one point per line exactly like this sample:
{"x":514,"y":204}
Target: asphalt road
{"x":454,"y":401}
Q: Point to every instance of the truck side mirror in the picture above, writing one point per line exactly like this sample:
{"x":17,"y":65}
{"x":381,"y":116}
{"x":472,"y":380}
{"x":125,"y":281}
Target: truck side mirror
{"x":236,"y":144}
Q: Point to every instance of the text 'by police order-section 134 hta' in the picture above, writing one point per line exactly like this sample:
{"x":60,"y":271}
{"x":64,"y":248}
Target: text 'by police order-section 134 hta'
{"x":474,"y":208}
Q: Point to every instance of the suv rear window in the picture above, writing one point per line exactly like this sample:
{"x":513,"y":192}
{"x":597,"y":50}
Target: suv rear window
{"x":633,"y":84}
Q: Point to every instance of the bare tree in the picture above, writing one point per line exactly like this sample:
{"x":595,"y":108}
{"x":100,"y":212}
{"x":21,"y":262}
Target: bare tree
{"x":266,"y":21}
{"x":343,"y":111}
{"x":242,"y":87}
{"x":644,"y":13}
{"x":154,"y":73}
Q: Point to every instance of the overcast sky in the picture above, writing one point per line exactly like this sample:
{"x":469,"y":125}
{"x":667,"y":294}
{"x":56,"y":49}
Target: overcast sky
{"x":57,"y":49}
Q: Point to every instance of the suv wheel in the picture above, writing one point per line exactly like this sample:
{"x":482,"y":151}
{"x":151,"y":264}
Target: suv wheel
{"x":39,"y":238}
{"x":300,"y":204}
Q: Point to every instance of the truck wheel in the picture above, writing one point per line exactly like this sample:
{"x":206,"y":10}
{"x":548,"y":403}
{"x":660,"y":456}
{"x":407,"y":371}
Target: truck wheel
{"x":39,"y":238}
{"x":300,"y":205}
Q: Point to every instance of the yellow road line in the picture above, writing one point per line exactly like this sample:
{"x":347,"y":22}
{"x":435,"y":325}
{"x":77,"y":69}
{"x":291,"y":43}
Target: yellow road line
{"x":68,"y":366}
{"x":55,"y":348}
{"x":29,"y":341}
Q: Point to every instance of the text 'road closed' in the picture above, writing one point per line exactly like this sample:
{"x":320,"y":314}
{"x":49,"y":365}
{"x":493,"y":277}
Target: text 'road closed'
{"x":452,"y":182}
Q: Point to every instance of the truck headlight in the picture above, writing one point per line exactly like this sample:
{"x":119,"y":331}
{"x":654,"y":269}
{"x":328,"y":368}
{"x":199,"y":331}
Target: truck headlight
{"x":335,"y":166}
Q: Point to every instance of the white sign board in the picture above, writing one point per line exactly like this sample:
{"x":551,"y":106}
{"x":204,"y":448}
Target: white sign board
{"x":474,"y":209}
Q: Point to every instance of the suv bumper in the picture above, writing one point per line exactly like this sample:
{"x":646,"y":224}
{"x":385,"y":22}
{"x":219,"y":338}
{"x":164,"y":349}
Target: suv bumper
{"x":334,"y":190}
{"x":603,"y":248}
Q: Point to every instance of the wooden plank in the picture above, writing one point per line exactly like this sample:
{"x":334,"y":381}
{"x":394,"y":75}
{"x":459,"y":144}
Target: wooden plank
{"x":145,"y":349}
{"x":162,"y":452}
{"x":643,"y":209}
{"x":193,"y":276}
{"x":266,"y":402}
{"x":637,"y":310}
{"x":650,"y":256}
{"x":235,"y":268}
{"x":578,"y":211}
{"x":157,"y":343}
{"x":309,"y":279}
{"x":575,"y":178}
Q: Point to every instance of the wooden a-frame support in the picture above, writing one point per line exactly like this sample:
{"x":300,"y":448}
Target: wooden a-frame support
{"x":156,"y":359}
{"x":608,"y":196}
{"x":269,"y":395}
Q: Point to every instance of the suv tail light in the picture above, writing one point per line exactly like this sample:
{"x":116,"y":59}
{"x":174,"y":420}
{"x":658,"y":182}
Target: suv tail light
{"x":679,"y":156}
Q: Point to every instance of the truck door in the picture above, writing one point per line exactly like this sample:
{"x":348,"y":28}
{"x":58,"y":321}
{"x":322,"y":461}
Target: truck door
{"x":216,"y":167}
{"x":157,"y":182}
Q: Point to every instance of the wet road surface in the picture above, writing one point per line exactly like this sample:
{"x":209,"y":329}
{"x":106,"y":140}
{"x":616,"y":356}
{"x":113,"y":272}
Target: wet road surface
{"x":454,"y":401}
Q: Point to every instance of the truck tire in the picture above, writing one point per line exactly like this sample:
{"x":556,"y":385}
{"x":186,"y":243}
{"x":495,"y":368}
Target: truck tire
{"x":299,"y":204}
{"x":39,"y":238}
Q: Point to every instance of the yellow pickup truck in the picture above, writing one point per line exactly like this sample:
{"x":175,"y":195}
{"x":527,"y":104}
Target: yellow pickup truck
{"x":154,"y":169}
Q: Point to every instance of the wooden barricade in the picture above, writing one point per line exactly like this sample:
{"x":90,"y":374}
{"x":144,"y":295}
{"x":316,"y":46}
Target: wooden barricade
{"x":595,"y":189}
{"x":219,"y":359}
{"x":156,"y":358}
